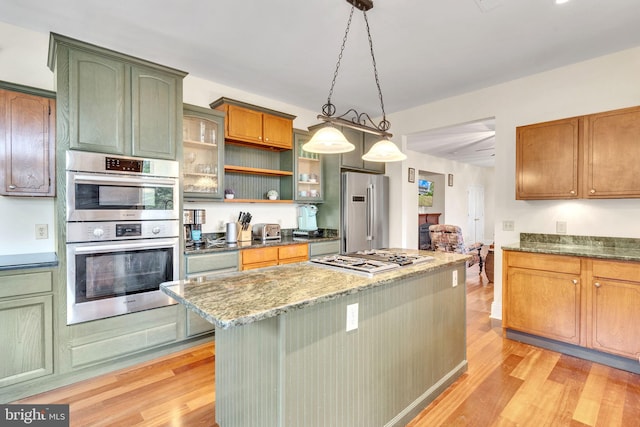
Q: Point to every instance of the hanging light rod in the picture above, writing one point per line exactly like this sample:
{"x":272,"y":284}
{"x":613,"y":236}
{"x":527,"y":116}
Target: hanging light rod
{"x":329,"y":139}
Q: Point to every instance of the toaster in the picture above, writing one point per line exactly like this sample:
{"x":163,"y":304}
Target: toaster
{"x":266,"y":231}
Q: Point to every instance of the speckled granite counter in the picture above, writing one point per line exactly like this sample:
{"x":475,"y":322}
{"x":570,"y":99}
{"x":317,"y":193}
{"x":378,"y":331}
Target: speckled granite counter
{"x":239,"y":298}
{"x":22,"y":261}
{"x":615,"y":248}
{"x":297,"y":337}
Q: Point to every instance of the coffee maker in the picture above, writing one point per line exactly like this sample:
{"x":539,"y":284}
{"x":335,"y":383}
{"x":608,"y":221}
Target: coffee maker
{"x":307,"y":218}
{"x":193,"y":220}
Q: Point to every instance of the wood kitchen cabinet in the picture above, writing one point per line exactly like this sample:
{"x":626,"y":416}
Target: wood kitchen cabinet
{"x":593,"y":156}
{"x":273,"y":255}
{"x":613,"y":308}
{"x":114,"y":103}
{"x":27,"y":141}
{"x":543,"y":295}
{"x":547,"y":160}
{"x":593,"y":303}
{"x":260,"y":127}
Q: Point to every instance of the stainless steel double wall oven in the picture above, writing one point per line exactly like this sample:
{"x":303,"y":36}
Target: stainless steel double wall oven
{"x":123,"y":232}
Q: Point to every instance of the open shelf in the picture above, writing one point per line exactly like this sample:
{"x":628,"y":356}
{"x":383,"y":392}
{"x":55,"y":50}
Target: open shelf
{"x":255,"y":171}
{"x":256,"y":201}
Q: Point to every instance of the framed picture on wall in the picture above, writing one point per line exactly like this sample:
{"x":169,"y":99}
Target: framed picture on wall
{"x":412,"y":175}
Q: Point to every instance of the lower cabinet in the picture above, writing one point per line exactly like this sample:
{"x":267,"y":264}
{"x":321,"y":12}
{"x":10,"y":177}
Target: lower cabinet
{"x":327,"y":247}
{"x":543,"y":296}
{"x":614,"y":308}
{"x":26,"y":326}
{"x":273,"y":255}
{"x":588,"y":302}
{"x":204,"y":265}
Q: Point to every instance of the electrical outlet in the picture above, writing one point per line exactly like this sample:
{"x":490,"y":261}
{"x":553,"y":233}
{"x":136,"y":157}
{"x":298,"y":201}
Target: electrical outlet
{"x":42,"y":231}
{"x":454,"y":278}
{"x":508,"y":225}
{"x":352,"y":317}
{"x":561,"y":227}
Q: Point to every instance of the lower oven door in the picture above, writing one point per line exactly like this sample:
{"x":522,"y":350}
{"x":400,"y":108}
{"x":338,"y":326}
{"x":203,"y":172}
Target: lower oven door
{"x":107,"y":279}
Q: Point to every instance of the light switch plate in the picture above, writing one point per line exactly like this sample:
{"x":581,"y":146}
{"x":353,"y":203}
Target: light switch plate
{"x":561,"y":227}
{"x":508,"y":225}
{"x":454,"y":278}
{"x":42,"y":231}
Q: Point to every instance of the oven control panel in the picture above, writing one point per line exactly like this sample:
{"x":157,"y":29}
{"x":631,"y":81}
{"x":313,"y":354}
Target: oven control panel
{"x":121,"y":230}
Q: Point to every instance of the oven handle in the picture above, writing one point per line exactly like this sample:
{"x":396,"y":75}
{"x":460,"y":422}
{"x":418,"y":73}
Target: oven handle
{"x":119,"y":247}
{"x":118,"y":180}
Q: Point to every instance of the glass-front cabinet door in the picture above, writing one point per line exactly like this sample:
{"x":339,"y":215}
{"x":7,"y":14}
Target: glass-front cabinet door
{"x":308,"y":171}
{"x":203,"y":152}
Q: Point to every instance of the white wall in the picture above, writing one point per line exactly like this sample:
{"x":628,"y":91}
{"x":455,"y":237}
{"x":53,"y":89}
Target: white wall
{"x":601,"y":84}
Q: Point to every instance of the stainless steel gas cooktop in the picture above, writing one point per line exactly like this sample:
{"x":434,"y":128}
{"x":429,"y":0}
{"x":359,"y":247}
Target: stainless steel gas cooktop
{"x":371,"y":262}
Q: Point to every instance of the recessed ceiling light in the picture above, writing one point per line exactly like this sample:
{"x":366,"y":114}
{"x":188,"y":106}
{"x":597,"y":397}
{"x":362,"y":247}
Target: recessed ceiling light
{"x":562,"y":1}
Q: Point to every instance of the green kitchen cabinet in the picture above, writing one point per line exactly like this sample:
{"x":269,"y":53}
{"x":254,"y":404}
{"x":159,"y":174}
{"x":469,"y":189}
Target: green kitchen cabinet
{"x":26,"y":316}
{"x":308,"y":178}
{"x":206,"y":265}
{"x":203,"y":153}
{"x":116,"y":104}
{"x":363,"y":142}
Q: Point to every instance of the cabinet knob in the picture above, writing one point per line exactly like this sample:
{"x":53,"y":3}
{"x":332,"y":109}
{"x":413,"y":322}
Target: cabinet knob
{"x":574,"y":281}
{"x":12,"y":187}
{"x":596,"y":284}
{"x":593,"y":191}
{"x":572,"y":192}
{"x":266,"y":139}
{"x":260,"y":138}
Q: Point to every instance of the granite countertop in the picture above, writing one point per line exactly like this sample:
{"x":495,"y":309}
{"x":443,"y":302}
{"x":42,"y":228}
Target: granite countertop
{"x":614,"y":248}
{"x":285,"y":240}
{"x":239,"y":298}
{"x":34,"y":260}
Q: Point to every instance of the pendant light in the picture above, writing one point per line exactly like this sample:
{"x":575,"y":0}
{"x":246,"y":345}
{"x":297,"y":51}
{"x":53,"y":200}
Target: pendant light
{"x":328,"y":139}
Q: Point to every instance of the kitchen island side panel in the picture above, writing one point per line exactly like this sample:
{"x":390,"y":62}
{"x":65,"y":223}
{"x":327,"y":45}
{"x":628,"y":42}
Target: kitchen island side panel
{"x":303,"y":369}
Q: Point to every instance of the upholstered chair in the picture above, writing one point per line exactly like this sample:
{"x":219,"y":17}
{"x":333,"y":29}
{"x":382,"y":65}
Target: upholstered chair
{"x":448,"y":238}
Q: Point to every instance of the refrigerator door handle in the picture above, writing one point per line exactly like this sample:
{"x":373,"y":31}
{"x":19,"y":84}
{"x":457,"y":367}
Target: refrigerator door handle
{"x":370,"y":205}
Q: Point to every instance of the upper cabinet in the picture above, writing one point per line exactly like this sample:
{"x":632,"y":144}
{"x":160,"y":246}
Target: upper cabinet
{"x":27,"y":141}
{"x":203,"y":152}
{"x":591,"y":157}
{"x":116,"y":103}
{"x":308,"y":180}
{"x":256,"y":126}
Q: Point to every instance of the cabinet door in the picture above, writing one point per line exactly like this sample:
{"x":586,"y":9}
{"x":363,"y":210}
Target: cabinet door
{"x":308,"y":177}
{"x":27,"y":339}
{"x":543,"y":303}
{"x":27,"y":144}
{"x":244,"y":124}
{"x":97,"y":100}
{"x":612,"y":154}
{"x":293,"y":253}
{"x":277,"y":131}
{"x":615,"y":317}
{"x":259,"y":257}
{"x":203,"y":153}
{"x":369,"y":140}
{"x":547,"y":160}
{"x":153,"y":113}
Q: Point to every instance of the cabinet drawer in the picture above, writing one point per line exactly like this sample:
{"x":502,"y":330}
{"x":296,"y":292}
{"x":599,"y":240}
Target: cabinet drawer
{"x":629,"y":271}
{"x":329,"y":247}
{"x":212,"y":262}
{"x":293,"y":251}
{"x":261,"y":255}
{"x":25,"y":283}
{"x":557,"y":263}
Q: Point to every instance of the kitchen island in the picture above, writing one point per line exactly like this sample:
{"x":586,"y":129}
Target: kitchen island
{"x":285,"y":356}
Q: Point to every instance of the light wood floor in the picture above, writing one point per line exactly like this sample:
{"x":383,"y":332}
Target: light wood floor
{"x":507,"y":384}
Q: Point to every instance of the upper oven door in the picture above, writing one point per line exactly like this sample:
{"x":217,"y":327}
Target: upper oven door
{"x":116,"y":197}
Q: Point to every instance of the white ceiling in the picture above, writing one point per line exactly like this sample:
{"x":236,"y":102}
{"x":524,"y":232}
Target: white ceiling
{"x":287,"y":49}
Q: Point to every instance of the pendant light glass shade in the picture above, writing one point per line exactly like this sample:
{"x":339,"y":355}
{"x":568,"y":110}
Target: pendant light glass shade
{"x":328,"y":140}
{"x":384,"y":151}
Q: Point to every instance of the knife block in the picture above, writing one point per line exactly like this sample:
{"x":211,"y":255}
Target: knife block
{"x":244,"y":235}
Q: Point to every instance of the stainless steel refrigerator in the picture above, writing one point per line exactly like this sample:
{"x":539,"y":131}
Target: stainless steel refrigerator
{"x":364,"y":220}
